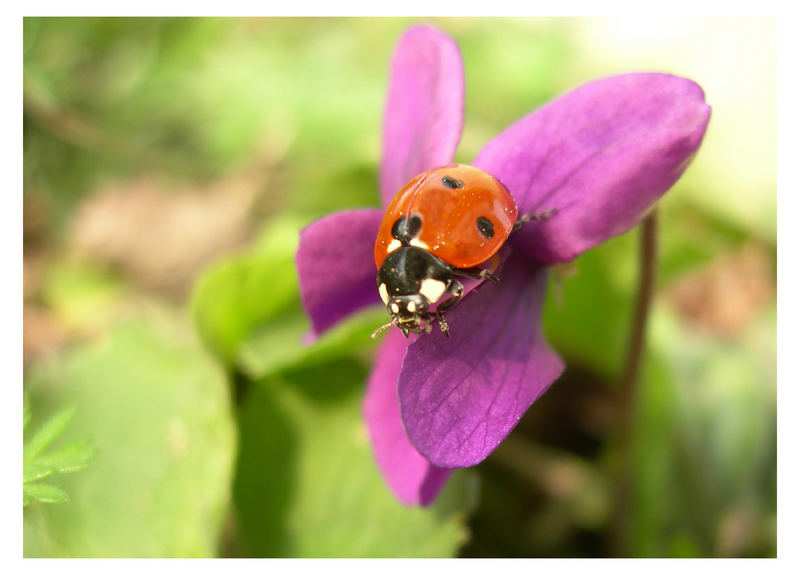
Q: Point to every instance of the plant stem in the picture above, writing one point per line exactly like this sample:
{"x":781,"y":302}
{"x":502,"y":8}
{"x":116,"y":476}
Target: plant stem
{"x":620,"y":518}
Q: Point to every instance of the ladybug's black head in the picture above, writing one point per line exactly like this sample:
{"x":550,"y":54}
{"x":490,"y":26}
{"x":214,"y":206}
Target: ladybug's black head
{"x":410,"y":313}
{"x":410,"y":280}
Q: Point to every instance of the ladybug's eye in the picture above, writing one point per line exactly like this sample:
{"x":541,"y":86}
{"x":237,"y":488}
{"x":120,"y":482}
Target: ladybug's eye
{"x":452,"y":183}
{"x":485,"y":227}
{"x":404,"y":229}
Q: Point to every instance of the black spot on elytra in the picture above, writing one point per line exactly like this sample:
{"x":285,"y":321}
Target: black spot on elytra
{"x":452,"y":183}
{"x":404,"y":229}
{"x":485,"y":227}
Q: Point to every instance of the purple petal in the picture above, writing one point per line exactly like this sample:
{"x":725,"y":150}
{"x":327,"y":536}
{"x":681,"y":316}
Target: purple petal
{"x":413,"y":480}
{"x":336,"y":266}
{"x":600,"y":156}
{"x":424,"y":109}
{"x":460,"y":397}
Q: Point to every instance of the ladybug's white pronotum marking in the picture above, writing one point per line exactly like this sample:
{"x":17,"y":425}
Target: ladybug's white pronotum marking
{"x":393,"y":245}
{"x":384,"y":293}
{"x":418,"y":244}
{"x":432,"y":289}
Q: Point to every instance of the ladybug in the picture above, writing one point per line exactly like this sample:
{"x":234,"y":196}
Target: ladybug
{"x":445,"y":222}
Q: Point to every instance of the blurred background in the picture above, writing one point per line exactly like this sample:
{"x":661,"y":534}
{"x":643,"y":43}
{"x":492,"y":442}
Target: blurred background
{"x":171,"y":409}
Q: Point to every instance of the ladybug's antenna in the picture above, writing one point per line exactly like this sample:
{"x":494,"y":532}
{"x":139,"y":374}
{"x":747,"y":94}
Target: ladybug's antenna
{"x":382,"y":329}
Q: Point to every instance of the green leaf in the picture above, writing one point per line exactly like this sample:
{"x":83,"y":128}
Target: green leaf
{"x":48,"y":433}
{"x":32,"y":472}
{"x":307,"y":484}
{"x":158,"y":410}
{"x":243,"y":292}
{"x":74,"y":457}
{"x":43,"y":492}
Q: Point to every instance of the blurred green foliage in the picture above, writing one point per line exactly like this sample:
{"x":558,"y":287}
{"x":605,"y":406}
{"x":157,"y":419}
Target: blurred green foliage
{"x":37,"y":465}
{"x":220,"y":433}
{"x":158,"y":410}
{"x":229,"y":301}
{"x":328,"y":500}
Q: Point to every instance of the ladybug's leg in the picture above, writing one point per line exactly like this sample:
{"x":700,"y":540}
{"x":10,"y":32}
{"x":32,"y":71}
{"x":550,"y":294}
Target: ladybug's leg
{"x":525,"y":218}
{"x":456,"y":290}
{"x":476,"y":273}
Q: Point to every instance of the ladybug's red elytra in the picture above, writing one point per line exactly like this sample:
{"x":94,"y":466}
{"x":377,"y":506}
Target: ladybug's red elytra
{"x":444,"y":222}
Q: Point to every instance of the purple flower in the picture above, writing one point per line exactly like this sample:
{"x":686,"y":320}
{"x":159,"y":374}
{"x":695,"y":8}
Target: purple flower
{"x":600,"y":156}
